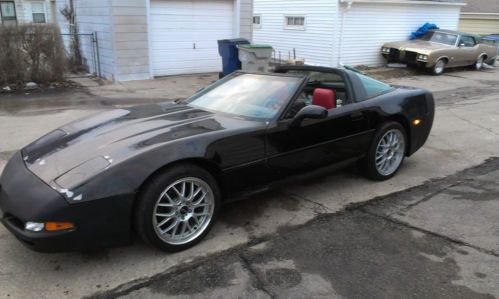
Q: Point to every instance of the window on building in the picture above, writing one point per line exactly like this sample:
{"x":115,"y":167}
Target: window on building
{"x":257,"y":21}
{"x":8,"y":13}
{"x":38,"y":11}
{"x":295,"y":22}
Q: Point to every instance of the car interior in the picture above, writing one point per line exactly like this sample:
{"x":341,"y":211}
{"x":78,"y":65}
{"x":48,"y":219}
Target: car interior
{"x":323,"y":89}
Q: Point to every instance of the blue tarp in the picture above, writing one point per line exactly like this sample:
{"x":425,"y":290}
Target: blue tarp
{"x":493,"y":37}
{"x":422,"y":30}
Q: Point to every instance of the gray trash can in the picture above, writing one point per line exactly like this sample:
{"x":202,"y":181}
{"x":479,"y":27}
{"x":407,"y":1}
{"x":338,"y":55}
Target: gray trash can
{"x":255,"y":58}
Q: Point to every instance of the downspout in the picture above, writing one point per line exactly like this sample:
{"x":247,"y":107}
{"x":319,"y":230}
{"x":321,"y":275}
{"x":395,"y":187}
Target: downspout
{"x":340,"y":46}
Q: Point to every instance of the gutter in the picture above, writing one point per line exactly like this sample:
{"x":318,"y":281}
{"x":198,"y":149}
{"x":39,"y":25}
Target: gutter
{"x":403,"y":2}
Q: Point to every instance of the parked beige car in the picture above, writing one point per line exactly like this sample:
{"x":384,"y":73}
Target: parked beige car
{"x":440,"y":49}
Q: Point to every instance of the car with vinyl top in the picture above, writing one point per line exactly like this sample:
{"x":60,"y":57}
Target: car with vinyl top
{"x":163,"y":171}
{"x":439,"y":49}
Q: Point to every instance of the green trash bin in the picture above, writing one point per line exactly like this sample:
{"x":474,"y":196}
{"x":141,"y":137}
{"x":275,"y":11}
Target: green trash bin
{"x":255,"y":58}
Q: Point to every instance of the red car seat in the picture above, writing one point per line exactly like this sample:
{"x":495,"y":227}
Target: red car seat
{"x":325,"y":98}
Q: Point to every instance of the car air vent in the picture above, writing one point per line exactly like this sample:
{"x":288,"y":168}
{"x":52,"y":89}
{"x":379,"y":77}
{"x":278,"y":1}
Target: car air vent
{"x":40,"y":146}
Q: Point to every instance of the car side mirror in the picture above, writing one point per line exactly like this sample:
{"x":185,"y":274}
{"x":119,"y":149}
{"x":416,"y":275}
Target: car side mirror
{"x":311,"y":111}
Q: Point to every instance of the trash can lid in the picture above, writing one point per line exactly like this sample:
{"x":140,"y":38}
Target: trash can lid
{"x":234,"y":41}
{"x":255,"y":46}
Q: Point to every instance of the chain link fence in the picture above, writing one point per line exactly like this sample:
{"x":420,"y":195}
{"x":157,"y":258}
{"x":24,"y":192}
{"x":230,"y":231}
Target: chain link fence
{"x":88,"y":48}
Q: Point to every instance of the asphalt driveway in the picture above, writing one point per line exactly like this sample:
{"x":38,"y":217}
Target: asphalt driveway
{"x":466,"y":133}
{"x":437,"y":240}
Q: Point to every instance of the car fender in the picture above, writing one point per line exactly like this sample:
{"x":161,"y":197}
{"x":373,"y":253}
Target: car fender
{"x":434,"y":61}
{"x":482,"y":54}
{"x":125,"y":177}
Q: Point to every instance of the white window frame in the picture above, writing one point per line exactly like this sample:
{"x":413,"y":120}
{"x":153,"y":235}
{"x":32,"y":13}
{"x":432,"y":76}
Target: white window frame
{"x":259,"y":25}
{"x":44,"y":11}
{"x":295,"y":27}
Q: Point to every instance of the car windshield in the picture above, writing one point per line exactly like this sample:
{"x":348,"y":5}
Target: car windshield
{"x":441,"y":37}
{"x":248,"y":95}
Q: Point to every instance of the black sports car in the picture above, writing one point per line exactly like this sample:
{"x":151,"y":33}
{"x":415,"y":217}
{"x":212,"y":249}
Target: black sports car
{"x":164,"y":170}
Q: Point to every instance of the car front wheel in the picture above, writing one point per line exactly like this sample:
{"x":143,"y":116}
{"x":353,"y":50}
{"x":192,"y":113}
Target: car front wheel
{"x":177,"y":208}
{"x":386,"y":152}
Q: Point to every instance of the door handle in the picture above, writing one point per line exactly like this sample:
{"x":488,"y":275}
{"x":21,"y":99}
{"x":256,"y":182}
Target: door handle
{"x":356,"y":116}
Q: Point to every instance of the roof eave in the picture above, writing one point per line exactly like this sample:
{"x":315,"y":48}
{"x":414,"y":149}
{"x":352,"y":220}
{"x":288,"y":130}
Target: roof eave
{"x":404,"y":2}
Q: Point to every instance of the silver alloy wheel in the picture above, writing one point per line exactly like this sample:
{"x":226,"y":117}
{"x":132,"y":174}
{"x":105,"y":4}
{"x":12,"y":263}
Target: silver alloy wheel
{"x":439,"y":66}
{"x":390,"y":152}
{"x":479,"y":63}
{"x":183,"y":211}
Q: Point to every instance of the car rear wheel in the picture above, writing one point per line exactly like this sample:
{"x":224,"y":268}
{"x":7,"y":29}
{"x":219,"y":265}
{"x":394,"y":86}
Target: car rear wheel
{"x":439,"y":67}
{"x":386,"y":152}
{"x":177,"y":208}
{"x":479,"y":63}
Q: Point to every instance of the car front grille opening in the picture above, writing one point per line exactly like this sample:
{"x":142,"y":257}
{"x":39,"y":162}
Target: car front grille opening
{"x":14,"y":220}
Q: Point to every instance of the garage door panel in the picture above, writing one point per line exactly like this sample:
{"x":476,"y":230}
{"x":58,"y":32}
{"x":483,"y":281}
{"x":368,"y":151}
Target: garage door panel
{"x":167,"y":19}
{"x":167,"y":36}
{"x":177,"y":25}
{"x":189,"y":70}
{"x":179,"y":53}
{"x":181,"y":63}
{"x":214,"y":28}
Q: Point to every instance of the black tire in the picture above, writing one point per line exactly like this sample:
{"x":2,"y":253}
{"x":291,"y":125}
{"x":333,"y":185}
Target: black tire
{"x":368,"y":164}
{"x":150,"y":194}
{"x":436,"y":70}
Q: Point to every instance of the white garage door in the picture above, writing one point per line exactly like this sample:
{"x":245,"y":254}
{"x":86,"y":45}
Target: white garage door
{"x":184,"y":35}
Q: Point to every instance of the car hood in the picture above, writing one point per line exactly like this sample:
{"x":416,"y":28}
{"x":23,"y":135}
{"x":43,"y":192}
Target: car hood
{"x":420,"y":46}
{"x":92,"y":144}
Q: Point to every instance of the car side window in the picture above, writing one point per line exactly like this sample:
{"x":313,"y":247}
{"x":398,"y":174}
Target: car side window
{"x":302,"y":101}
{"x":318,"y":79}
{"x":467,"y":41}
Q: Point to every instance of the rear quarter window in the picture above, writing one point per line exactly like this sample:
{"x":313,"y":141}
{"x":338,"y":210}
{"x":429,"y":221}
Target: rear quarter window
{"x":373,"y":87}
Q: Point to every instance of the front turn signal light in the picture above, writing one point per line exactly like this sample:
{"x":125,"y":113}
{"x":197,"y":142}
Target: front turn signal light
{"x":56,"y":226}
{"x":416,"y":122}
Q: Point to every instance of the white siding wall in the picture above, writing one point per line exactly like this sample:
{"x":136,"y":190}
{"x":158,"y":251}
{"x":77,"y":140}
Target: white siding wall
{"x":21,"y":18}
{"x":92,"y":16}
{"x":315,"y":43}
{"x":246,"y":17}
{"x":367,"y":26}
{"x":129,"y":18}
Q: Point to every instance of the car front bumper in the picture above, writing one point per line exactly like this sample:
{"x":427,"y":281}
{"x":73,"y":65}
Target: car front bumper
{"x":24,"y":197}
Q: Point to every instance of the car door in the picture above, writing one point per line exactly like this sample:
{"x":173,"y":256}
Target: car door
{"x":343,"y":135}
{"x":467,"y":52}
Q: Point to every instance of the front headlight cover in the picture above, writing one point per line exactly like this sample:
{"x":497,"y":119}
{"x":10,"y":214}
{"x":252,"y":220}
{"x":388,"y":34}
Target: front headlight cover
{"x":422,"y":57}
